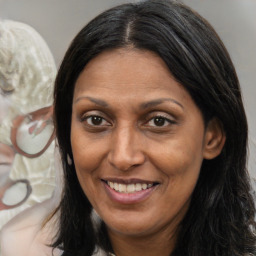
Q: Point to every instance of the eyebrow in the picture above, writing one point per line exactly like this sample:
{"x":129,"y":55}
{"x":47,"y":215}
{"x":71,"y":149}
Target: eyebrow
{"x":156,"y":102}
{"x":99,"y":102}
{"x":144,"y":105}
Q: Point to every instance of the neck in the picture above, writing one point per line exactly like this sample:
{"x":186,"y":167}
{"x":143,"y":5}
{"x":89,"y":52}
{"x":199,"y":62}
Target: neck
{"x":151,"y":245}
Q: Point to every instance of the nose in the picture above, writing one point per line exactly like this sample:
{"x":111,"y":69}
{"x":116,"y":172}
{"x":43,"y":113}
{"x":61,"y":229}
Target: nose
{"x":126,"y":149}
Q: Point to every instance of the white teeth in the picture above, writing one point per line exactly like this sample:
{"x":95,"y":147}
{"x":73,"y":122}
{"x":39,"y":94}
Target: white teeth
{"x":116,"y":186}
{"x":144,"y":186}
{"x":138,"y":187}
{"x":122,"y":188}
{"x":129,"y":188}
{"x":111,"y":184}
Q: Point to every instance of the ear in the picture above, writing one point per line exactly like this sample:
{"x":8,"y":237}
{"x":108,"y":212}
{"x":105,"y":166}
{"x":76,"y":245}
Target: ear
{"x":214,"y":139}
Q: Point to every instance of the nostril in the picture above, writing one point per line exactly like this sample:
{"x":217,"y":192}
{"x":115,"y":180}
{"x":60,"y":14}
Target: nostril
{"x":124,"y":160}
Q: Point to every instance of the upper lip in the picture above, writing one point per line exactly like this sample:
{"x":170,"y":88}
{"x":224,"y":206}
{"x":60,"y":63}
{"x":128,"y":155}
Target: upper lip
{"x":129,"y":181}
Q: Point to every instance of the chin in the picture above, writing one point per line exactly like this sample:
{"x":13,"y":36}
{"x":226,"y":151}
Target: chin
{"x":130,"y":224}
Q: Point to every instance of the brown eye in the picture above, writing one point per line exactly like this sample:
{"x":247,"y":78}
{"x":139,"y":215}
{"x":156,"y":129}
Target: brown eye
{"x":96,"y":121}
{"x":159,"y":121}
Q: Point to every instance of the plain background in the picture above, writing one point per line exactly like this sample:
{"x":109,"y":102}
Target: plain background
{"x":58,"y":21}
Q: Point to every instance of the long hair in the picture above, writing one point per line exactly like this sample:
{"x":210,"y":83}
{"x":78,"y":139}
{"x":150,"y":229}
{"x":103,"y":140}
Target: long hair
{"x":220,"y":219}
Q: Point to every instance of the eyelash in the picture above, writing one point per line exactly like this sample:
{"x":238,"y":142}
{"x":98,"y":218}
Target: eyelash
{"x":161,"y":118}
{"x":96,"y":118}
{"x":103,"y":123}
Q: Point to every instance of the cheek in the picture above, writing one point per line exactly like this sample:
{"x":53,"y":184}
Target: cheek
{"x":180,"y":167}
{"x":87,"y":153}
{"x":180,"y":164}
{"x":175,"y":158}
{"x":85,"y":163}
{"x":85,"y":158}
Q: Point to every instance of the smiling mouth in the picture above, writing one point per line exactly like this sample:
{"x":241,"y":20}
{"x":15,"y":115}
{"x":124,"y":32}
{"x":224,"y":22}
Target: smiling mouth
{"x":129,"y":188}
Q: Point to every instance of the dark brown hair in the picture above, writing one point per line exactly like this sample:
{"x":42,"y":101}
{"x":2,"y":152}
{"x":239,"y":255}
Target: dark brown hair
{"x":220,"y":220}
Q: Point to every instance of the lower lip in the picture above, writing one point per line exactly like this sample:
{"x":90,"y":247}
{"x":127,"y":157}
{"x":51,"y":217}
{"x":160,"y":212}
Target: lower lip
{"x":128,"y":198}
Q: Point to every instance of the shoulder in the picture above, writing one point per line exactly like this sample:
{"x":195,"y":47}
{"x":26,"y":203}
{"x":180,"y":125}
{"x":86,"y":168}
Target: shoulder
{"x":25,"y":235}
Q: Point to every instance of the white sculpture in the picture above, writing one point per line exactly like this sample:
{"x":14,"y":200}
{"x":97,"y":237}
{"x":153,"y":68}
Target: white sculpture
{"x":27,"y":73}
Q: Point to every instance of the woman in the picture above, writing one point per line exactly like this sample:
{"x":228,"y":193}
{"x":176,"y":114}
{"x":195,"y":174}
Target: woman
{"x":153,"y":138}
{"x":153,"y":135}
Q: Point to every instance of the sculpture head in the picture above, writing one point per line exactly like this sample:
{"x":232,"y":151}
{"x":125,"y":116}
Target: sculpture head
{"x":27,"y":72}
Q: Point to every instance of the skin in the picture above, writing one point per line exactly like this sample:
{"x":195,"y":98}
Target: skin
{"x":128,"y":89}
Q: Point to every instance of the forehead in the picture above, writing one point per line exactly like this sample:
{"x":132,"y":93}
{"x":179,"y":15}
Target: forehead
{"x":124,"y":72}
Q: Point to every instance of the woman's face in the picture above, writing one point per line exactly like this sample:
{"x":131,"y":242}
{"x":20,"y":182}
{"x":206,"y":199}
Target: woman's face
{"x":138,"y":142}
